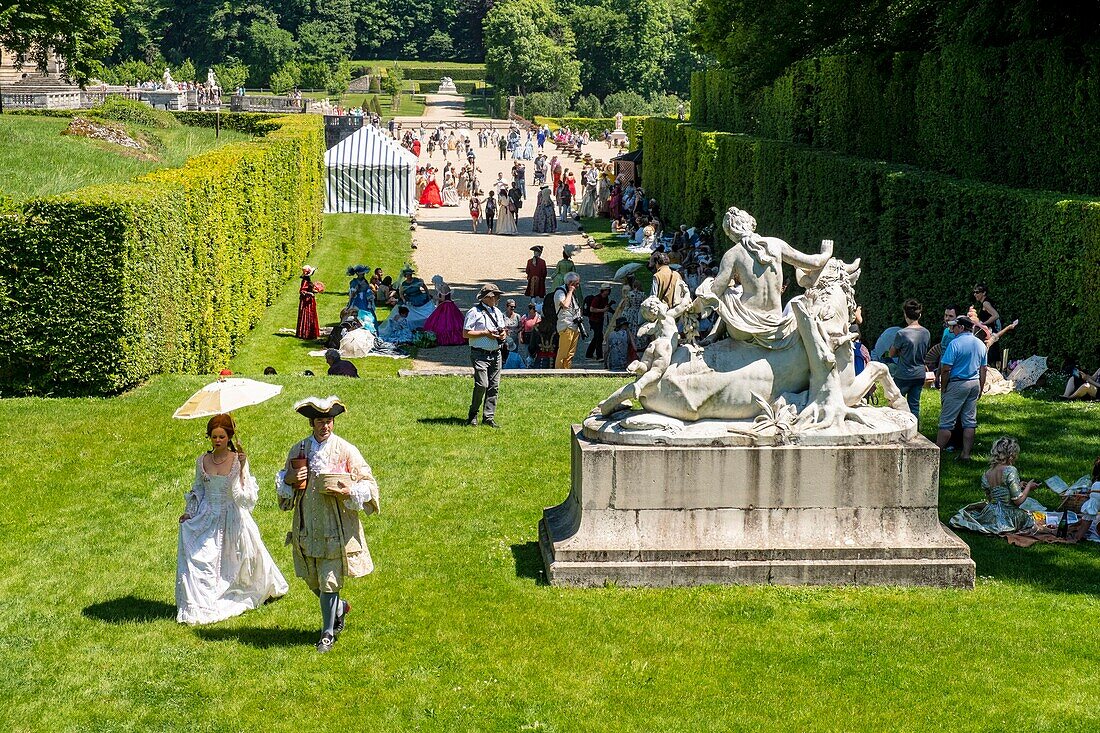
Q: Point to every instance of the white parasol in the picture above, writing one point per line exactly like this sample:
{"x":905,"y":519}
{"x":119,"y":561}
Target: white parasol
{"x":627,"y":269}
{"x":226,"y":395}
{"x":1028,"y":371}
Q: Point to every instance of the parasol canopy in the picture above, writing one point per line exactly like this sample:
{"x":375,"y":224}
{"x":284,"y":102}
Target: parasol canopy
{"x":226,"y":395}
{"x":627,"y":269}
{"x":1028,"y":371}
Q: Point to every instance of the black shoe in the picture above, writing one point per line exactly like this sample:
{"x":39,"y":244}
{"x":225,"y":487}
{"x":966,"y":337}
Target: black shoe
{"x":338,"y":627}
{"x":326,"y":643}
{"x":472,"y":422}
{"x":491,"y":424}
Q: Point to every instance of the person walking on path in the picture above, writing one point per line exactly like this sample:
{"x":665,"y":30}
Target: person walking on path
{"x":502,"y":145}
{"x":484,"y":329}
{"x":962,"y":380}
{"x":536,"y":274}
{"x":326,"y":534}
{"x":490,"y":213}
{"x":597,"y":315}
{"x":909,"y":348}
{"x":475,"y":211}
{"x":568,"y":320}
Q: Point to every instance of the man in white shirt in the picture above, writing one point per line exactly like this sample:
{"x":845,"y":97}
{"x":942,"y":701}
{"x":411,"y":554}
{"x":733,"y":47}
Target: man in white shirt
{"x":568,"y":311}
{"x":484,"y":329}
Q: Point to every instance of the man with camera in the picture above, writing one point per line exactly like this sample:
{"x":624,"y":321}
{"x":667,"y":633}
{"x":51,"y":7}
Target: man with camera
{"x":484,"y":329}
{"x":571,"y":325}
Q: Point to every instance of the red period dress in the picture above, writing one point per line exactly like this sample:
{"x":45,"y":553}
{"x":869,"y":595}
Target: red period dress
{"x":308,"y":328}
{"x":536,"y":278}
{"x":431,"y":196}
{"x":446,"y":323}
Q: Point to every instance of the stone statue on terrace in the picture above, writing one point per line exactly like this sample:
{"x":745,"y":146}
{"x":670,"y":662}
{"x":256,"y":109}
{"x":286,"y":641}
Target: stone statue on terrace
{"x":168,"y":82}
{"x":618,"y":122}
{"x":211,"y":79}
{"x":761,"y":373}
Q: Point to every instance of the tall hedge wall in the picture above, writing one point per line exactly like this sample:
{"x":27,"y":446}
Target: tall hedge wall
{"x":421,"y":73}
{"x":634,"y":127}
{"x":920,"y":234}
{"x":1026,"y":115}
{"x":112,"y":284}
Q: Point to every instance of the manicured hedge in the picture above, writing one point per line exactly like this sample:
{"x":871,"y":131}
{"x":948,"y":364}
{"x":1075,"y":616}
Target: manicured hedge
{"x":256,"y":124}
{"x":1025,"y":115}
{"x":420,"y":73}
{"x":632,"y":126}
{"x":920,"y":234}
{"x":112,"y":284}
{"x":463,"y":87}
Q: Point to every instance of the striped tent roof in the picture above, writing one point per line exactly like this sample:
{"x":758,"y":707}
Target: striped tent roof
{"x":370,"y":173}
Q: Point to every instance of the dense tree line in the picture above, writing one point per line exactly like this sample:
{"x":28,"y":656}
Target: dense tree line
{"x":760,"y":38}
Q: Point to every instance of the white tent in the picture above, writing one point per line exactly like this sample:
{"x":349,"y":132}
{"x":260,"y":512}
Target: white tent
{"x":370,"y":173}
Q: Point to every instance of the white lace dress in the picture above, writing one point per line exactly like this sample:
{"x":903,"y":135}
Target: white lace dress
{"x":222,"y":566}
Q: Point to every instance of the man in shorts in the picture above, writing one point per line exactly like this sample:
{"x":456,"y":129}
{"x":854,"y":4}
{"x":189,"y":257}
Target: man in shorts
{"x":962,"y":380}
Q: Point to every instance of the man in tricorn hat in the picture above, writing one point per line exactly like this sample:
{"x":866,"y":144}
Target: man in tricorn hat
{"x":326,"y":483}
{"x":484,"y":329}
{"x":536,"y":274}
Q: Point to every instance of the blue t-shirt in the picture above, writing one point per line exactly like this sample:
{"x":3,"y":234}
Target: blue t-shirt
{"x":965,"y":355}
{"x":947,"y":338}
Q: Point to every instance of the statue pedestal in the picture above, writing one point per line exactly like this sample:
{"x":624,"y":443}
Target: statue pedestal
{"x":448,"y":88}
{"x":660,"y":515}
{"x":618,"y":137}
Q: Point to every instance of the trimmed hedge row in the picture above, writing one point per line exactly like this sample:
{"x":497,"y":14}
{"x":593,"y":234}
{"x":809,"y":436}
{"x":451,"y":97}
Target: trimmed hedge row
{"x":634,"y":127}
{"x":922,"y":235}
{"x":1025,"y":115}
{"x":420,"y":73}
{"x":256,"y":124}
{"x":463,"y":87}
{"x":168,"y":273}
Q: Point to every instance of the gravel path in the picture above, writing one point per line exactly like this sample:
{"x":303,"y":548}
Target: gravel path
{"x":446,"y":246}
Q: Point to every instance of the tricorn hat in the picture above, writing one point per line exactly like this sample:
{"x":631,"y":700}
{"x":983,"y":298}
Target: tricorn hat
{"x":315,"y":407}
{"x":537,"y":248}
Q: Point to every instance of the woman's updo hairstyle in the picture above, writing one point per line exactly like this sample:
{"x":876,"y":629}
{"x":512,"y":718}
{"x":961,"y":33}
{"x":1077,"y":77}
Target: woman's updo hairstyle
{"x":1004,"y":450}
{"x":226,"y":423}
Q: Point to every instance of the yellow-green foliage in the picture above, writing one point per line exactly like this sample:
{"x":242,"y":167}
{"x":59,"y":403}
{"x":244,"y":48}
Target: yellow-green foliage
{"x":1021,"y":115}
{"x":922,"y":235}
{"x":111,"y":284}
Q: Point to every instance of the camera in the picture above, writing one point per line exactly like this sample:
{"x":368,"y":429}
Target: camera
{"x":581,"y":326}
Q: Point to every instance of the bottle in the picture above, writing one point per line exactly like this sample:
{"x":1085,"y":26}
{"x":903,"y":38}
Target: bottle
{"x":1063,"y":523}
{"x":299,"y":462}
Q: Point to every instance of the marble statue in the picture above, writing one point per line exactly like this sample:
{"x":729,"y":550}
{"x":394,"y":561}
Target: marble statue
{"x":447,"y":86}
{"x":168,"y":82}
{"x":618,"y":122}
{"x":761,"y":372}
{"x":211,"y":79}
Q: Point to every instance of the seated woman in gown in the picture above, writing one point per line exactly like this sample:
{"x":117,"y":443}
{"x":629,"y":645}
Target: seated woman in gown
{"x":1001,"y":512}
{"x":413,"y":294}
{"x":222,"y":566}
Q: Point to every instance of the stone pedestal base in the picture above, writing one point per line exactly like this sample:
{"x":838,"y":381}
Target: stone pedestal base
{"x":786,"y":515}
{"x":619,"y":137}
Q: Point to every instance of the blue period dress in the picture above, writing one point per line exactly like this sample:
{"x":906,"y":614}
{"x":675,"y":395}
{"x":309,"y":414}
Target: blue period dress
{"x":998,"y":515}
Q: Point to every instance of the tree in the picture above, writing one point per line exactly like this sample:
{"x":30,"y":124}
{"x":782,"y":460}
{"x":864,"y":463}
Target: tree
{"x":268,"y":48}
{"x":629,"y":103}
{"x":80,"y":32}
{"x":530,"y":47}
{"x":468,"y":29}
{"x":393,"y":80}
{"x":439,"y":46}
{"x":338,"y":80}
{"x":285,"y":79}
{"x":588,"y":105}
{"x":185,"y":71}
{"x":231,"y":74}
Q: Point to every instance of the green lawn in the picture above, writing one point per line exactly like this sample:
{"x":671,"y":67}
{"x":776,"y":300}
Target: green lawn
{"x":349,"y":239}
{"x":455,"y":630}
{"x":37,"y":160}
{"x":614,"y":251}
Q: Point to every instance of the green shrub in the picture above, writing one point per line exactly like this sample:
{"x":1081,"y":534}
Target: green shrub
{"x":421,"y":73}
{"x":1022,"y":115}
{"x":922,"y":235}
{"x":170,"y":271}
{"x":133,"y":112}
{"x":256,"y":124}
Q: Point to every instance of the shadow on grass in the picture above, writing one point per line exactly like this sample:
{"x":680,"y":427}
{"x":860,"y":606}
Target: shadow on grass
{"x":448,"y":420}
{"x":129,"y":609}
{"x":261,"y":638}
{"x":528,"y":559}
{"x":1053,"y":567}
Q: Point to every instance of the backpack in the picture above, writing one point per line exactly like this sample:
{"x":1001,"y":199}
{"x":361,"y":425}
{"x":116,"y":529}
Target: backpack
{"x":548,"y":326}
{"x":586,"y":307}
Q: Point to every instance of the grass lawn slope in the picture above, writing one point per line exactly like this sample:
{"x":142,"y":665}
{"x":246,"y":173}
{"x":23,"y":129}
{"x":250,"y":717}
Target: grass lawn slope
{"x":37,"y":160}
{"x":455,"y":630}
{"x":348,"y":239}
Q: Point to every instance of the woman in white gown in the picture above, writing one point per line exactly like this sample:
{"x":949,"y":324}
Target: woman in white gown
{"x":506,"y":216}
{"x":450,"y":190}
{"x":222,"y":566}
